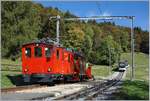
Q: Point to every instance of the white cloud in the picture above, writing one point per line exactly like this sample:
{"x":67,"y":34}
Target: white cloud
{"x":105,"y":14}
{"x":93,"y":13}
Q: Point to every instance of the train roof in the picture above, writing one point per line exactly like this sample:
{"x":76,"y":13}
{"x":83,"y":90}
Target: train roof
{"x":45,"y":41}
{"x":50,"y":42}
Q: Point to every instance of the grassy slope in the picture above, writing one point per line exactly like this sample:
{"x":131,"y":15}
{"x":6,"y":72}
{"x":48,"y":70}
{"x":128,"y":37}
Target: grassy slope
{"x":99,"y":70}
{"x":133,"y":90}
{"x":6,"y":71}
{"x":9,"y":61}
{"x":5,"y":81}
{"x":141,"y":65}
{"x":137,"y":89}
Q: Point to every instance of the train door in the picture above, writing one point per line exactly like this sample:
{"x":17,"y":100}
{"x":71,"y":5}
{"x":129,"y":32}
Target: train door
{"x":64,"y":65}
{"x":67,"y":60}
{"x":81,"y":66}
{"x":26,"y":59}
{"x":58,"y":60}
{"x":38,"y":59}
{"x":48,"y":59}
{"x":71,"y":63}
{"x":77,"y":64}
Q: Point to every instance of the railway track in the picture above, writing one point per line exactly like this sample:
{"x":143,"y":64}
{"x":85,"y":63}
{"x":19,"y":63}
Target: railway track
{"x":13,"y":89}
{"x":92,"y":92}
{"x":88,"y":93}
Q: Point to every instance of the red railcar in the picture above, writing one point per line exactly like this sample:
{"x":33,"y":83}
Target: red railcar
{"x":43,"y":62}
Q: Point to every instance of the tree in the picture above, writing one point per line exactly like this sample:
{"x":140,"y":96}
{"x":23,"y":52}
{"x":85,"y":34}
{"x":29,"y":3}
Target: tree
{"x":74,"y":36}
{"x":144,"y":46}
{"x":87,"y":46}
{"x":20,"y":24}
{"x":108,"y":49}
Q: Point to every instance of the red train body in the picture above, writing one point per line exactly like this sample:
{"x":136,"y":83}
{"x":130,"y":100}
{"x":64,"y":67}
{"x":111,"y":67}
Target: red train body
{"x":42,"y":62}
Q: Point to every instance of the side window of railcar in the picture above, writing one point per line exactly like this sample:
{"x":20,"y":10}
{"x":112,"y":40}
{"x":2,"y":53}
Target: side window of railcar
{"x":68,"y":57}
{"x":63,"y":55}
{"x":28,"y":52}
{"x":57,"y":54}
{"x":47,"y":52}
{"x":37,"y":51}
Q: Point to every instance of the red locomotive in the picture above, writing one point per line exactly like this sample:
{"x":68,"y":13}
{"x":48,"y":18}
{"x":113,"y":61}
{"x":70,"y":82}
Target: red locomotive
{"x":43,"y":61}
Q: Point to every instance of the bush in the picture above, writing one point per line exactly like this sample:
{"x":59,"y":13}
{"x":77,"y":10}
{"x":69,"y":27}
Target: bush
{"x":108,"y":49}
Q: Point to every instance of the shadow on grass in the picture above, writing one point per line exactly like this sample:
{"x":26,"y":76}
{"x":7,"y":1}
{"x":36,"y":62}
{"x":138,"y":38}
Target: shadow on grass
{"x":17,"y":80}
{"x":115,"y":69}
{"x":133,"y":90}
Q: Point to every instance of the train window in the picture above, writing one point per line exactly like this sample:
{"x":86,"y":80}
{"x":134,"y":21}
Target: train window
{"x":28,"y":52}
{"x":57,"y":54}
{"x":47,"y":52}
{"x":63,"y":55}
{"x":37,"y":51}
{"x":68,"y":57}
{"x":75,"y":57}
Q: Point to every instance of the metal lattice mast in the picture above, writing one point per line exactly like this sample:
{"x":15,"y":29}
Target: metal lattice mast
{"x":57,"y":29}
{"x":132,"y":49}
{"x":114,"y":18}
{"x":103,"y":18}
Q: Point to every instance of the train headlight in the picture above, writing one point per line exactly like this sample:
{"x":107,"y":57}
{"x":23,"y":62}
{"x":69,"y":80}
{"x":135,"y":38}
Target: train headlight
{"x":49,"y":69}
{"x":25,"y":70}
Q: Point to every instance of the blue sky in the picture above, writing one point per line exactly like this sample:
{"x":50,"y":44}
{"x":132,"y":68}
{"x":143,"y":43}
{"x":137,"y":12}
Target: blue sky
{"x":139,"y":9}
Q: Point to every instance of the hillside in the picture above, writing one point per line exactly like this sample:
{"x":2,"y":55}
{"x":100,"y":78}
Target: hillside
{"x":141,"y":65}
{"x":23,"y":22}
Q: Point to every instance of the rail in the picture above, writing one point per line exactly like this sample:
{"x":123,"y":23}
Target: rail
{"x":90,"y":93}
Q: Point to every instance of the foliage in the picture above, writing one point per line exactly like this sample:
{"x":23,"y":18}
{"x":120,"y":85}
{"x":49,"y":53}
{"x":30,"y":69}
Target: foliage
{"x":141,"y":40}
{"x":24,"y":21}
{"x":107,"y":53}
{"x":133,"y":90}
{"x":74,"y":36}
{"x":20,"y":24}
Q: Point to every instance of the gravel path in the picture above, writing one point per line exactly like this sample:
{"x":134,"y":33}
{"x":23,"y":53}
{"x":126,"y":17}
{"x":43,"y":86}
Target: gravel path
{"x":58,"y":89}
{"x":53,"y":91}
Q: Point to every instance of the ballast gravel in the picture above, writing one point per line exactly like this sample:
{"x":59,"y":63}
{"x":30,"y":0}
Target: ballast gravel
{"x":58,"y":89}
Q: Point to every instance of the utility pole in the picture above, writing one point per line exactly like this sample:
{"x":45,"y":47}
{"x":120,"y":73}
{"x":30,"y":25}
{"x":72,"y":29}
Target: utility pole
{"x":110,"y":62}
{"x":131,"y":18}
{"x":57,"y":29}
{"x":132,"y":49}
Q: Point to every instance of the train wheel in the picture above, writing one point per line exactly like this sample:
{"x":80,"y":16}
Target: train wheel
{"x":81,"y":78}
{"x":93,"y":78}
{"x":50,"y":83}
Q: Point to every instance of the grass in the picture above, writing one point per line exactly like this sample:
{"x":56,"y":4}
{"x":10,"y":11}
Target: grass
{"x":5,"y":81}
{"x":8,"y":67}
{"x":141,"y":68}
{"x":9,"y":61}
{"x":100,"y":70}
{"x":7,"y":70}
{"x":141,"y":65}
{"x":133,"y":90}
{"x":138,"y":89}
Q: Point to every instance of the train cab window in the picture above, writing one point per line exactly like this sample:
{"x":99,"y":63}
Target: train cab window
{"x":68,"y":57}
{"x":57,"y":54}
{"x":47,"y":52}
{"x":37,"y":51}
{"x":28,"y":52}
{"x":75,"y":57}
{"x":63,"y":55}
